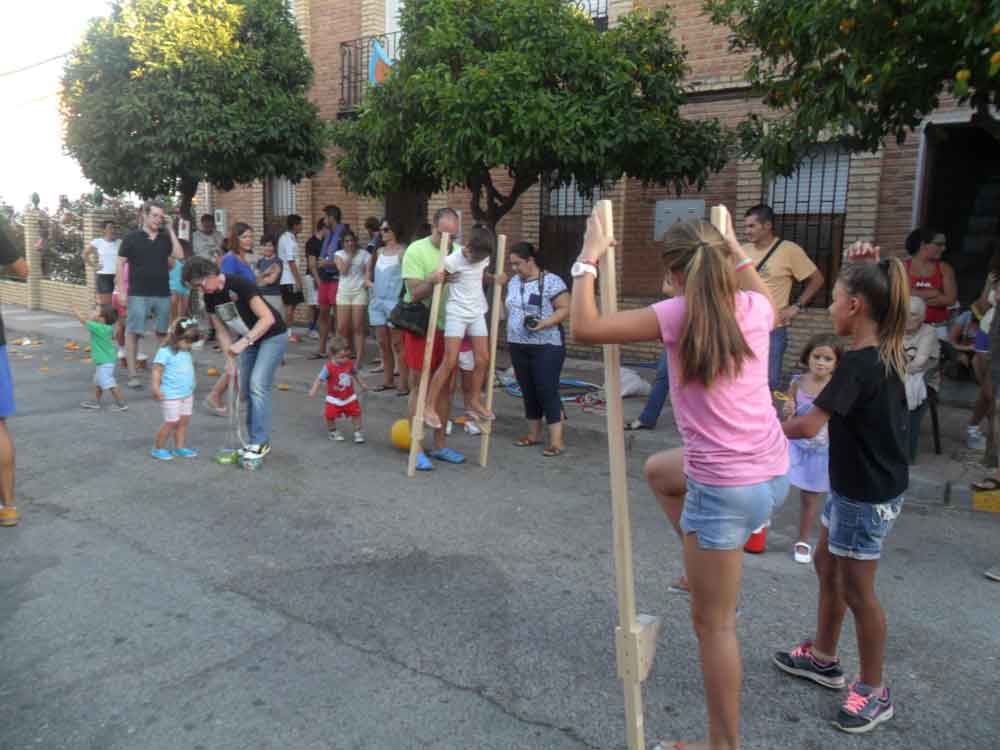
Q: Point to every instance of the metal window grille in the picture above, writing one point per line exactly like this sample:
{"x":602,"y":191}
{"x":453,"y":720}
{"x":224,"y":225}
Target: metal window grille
{"x":810,"y":208}
{"x":355,"y":56}
{"x":596,"y":9}
{"x":564,"y":212}
{"x":281,"y":196}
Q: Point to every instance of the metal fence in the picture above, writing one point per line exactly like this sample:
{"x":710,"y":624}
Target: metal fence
{"x":564,"y":213}
{"x":355,"y":57}
{"x":810,"y":209}
{"x":596,"y":9}
{"x":62,"y":238}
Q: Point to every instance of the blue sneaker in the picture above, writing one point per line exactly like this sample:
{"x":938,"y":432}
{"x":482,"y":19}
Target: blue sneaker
{"x":863,"y":710}
{"x":185,"y":453}
{"x":162,"y":454}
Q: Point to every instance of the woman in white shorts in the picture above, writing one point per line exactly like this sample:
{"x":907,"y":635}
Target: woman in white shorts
{"x":352,"y":295}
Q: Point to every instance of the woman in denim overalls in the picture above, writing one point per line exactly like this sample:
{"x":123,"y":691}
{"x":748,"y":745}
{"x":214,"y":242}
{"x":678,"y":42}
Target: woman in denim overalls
{"x":385,"y":282}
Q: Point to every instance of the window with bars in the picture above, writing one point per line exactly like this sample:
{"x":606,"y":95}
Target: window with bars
{"x":810,"y":208}
{"x":564,"y":213}
{"x":596,"y":9}
{"x":280,"y":196}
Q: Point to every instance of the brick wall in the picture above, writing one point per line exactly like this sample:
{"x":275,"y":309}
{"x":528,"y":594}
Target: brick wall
{"x":712,"y":65}
{"x":880,"y":193}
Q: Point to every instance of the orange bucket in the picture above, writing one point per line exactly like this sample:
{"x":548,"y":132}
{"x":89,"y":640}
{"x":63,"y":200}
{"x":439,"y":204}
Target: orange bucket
{"x":757,"y":542}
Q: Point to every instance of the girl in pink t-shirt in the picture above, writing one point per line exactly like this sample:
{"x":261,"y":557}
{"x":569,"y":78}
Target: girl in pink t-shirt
{"x":731,"y":473}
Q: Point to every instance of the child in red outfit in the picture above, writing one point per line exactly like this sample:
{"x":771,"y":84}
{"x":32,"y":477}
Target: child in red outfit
{"x":341,"y":398}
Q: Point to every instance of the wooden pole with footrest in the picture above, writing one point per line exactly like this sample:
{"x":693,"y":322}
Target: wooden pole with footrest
{"x":635,"y":636}
{"x":486,"y":425}
{"x":417,"y":425}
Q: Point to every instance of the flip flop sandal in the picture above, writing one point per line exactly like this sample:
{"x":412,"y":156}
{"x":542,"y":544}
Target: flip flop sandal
{"x":986,"y":485}
{"x":526,"y":442}
{"x":430,"y":423}
{"x":315,"y":355}
{"x":424,"y":463}
{"x":402,"y":393}
{"x":219,"y":411}
{"x":803,"y":553}
{"x":448,"y":456}
{"x":381,"y":388}
{"x":552,"y":452}
{"x":677,"y":588}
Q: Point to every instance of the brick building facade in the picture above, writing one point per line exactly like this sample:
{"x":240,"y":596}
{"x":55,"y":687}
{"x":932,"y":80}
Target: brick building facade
{"x":835,"y":199}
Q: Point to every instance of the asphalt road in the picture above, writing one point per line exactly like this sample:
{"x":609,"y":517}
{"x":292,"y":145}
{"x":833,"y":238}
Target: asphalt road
{"x":327,"y":601}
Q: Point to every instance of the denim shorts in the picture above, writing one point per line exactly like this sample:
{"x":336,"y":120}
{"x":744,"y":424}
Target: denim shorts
{"x":140,"y":308}
{"x":379,"y":309}
{"x":725,"y":517}
{"x":857,"y":530}
{"x":6,"y":385}
{"x":105,"y":283}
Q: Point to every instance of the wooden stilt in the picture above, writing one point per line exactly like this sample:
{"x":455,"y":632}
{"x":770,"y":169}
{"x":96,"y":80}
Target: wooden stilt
{"x":635,"y":636}
{"x":486,"y":425}
{"x":417,"y":425}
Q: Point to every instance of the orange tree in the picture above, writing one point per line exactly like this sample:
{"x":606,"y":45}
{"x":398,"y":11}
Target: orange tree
{"x":859,"y":71}
{"x":159,"y":96}
{"x":531,"y":87}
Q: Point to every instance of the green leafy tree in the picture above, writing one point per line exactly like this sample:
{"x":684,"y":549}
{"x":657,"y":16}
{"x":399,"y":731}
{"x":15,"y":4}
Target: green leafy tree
{"x":533,"y":87}
{"x":857,"y":71}
{"x":159,"y":96}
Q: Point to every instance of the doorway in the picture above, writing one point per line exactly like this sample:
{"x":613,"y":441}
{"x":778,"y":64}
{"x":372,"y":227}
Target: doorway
{"x":962,"y":199}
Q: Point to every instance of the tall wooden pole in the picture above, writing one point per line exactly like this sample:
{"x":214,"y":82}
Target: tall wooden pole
{"x":487,"y":424}
{"x":635,"y":636}
{"x":417,"y":426}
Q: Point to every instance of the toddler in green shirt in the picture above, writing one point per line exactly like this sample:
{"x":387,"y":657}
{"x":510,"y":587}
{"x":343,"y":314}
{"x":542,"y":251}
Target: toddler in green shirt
{"x":101,"y":324}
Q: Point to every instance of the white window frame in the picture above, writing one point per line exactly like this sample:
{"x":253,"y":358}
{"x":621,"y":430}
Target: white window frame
{"x":281,"y":195}
{"x":820,"y":183}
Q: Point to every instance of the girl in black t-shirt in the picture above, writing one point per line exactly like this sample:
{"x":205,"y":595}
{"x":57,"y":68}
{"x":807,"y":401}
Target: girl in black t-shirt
{"x":865,"y":405}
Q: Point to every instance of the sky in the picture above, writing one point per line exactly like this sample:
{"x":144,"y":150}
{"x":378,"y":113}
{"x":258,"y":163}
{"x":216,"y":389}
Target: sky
{"x":31,"y":133}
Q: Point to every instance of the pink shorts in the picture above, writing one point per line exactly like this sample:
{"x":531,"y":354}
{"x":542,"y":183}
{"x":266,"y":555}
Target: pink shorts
{"x":327,"y":293}
{"x":175,"y":408}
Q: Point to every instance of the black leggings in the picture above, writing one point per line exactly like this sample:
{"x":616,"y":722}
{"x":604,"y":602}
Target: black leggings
{"x":538,"y":368}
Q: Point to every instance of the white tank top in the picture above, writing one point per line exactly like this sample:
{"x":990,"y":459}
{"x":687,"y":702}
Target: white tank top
{"x":386,"y":262}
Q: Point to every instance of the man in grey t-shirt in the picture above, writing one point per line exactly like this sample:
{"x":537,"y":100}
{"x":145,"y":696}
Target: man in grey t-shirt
{"x":207,"y":241}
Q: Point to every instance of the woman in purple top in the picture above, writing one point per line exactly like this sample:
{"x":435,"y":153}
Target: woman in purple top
{"x":731,"y":473}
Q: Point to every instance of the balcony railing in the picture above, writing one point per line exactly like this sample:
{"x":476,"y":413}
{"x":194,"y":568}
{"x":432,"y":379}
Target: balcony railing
{"x":356,"y":55}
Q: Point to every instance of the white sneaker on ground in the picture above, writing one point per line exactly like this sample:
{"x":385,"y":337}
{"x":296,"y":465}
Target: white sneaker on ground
{"x":974,"y":439}
{"x":359,"y":436}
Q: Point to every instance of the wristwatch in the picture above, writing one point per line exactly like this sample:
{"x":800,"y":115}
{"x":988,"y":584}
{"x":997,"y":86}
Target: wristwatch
{"x":581,"y":267}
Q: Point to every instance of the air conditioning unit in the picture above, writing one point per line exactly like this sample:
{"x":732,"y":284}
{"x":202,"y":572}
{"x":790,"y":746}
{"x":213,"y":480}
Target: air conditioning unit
{"x":222,"y":221}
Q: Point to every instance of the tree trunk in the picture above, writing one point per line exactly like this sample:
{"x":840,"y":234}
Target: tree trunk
{"x":187,"y":188}
{"x":497,"y":205}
